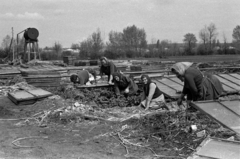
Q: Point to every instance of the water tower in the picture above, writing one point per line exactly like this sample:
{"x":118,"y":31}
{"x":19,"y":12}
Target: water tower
{"x":31,"y":42}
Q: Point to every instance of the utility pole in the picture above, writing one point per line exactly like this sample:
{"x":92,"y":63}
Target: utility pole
{"x":13,"y":42}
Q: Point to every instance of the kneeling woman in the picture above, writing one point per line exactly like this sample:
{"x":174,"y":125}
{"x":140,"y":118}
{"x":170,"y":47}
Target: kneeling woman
{"x":197,"y":86}
{"x":123,"y":84}
{"x":84,"y":77}
{"x":152,"y":96}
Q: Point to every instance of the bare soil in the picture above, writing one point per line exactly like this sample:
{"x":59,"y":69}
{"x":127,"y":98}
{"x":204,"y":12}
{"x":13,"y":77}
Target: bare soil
{"x":160,"y":136}
{"x":86,"y":139}
{"x":164,"y":136}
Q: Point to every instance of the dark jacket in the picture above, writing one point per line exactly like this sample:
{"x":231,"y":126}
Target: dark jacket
{"x":201,"y":87}
{"x":192,"y":83}
{"x":83,"y":77}
{"x":123,"y":83}
{"x":212,"y":87}
{"x":108,"y":70}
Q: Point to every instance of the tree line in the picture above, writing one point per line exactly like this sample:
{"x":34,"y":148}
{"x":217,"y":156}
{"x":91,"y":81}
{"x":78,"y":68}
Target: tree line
{"x":132,"y":43}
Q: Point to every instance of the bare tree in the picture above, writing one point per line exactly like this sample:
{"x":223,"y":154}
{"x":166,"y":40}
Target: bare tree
{"x":236,"y":38}
{"x":174,"y":49}
{"x":236,"y":34}
{"x":224,"y":43}
{"x":57,"y":48}
{"x":164,"y":47}
{"x":6,"y":42}
{"x":97,"y":44}
{"x":204,"y":36}
{"x":93,"y":46}
{"x":212,"y":32}
{"x":86,"y":48}
{"x":115,"y":40}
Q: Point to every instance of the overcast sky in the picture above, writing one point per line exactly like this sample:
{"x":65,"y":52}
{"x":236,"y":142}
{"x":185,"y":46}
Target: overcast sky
{"x":72,"y":21}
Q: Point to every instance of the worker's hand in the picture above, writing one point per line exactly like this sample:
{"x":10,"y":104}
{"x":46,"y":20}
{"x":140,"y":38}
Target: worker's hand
{"x":188,"y":103}
{"x":200,"y":96}
{"x":110,"y":83}
{"x":126,"y":90}
{"x":88,"y":83}
{"x":179,"y":101}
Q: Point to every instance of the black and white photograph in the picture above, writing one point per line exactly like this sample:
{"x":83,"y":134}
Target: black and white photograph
{"x":119,"y":79}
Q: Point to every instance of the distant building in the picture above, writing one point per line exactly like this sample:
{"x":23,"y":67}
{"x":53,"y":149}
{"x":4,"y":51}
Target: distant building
{"x":73,"y":51}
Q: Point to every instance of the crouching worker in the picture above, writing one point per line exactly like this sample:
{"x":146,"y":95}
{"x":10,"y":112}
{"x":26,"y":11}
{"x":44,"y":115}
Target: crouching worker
{"x":152,"y":98}
{"x":197,"y":86}
{"x":84,"y":77}
{"x":108,"y":68}
{"x":123,"y":84}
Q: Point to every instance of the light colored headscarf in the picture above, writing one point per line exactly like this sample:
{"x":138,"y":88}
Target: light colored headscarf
{"x":181,"y":67}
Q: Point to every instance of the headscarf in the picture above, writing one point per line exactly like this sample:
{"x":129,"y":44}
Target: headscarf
{"x":181,"y":67}
{"x":117,"y":74}
{"x":73,"y":78}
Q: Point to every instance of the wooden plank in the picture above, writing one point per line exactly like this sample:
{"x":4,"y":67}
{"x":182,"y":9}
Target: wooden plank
{"x":44,"y":80}
{"x":42,"y":76}
{"x":39,"y":93}
{"x":235,"y":75}
{"x":155,"y":75}
{"x":171,"y":84}
{"x":21,"y":95}
{"x":228,"y":83}
{"x":230,"y":78}
{"x":167,"y":91}
{"x":94,"y":85}
{"x":217,"y":148}
{"x":228,"y":89}
{"x":175,"y":79}
{"x":220,"y":113}
{"x":233,"y":105}
{"x":7,"y":72}
{"x":45,"y":85}
{"x":146,"y":72}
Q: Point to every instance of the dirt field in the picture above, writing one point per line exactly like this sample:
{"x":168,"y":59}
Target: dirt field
{"x":25,"y":134}
{"x":77,"y":139}
{"x":210,"y":58}
{"x":54,"y":140}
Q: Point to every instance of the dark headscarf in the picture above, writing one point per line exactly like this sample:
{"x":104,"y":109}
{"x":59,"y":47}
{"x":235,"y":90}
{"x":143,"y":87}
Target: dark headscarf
{"x":117,"y":74}
{"x":73,"y":78}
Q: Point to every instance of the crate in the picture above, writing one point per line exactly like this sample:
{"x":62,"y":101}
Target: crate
{"x":93,"y":63}
{"x":135,"y":68}
{"x":69,"y":60}
{"x":82,"y":63}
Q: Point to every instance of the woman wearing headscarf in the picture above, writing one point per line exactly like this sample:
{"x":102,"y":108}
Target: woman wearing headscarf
{"x":108,"y":68}
{"x":197,"y":86}
{"x":83,"y":77}
{"x":124,"y":84}
{"x":152,"y":96}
